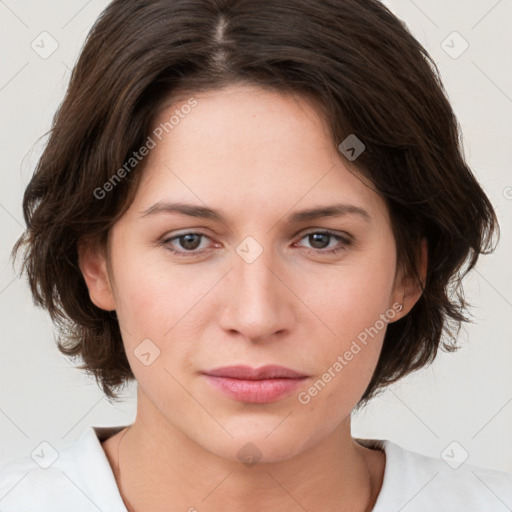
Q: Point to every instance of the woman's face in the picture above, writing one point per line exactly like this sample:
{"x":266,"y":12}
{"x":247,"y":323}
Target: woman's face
{"x":260,"y":287}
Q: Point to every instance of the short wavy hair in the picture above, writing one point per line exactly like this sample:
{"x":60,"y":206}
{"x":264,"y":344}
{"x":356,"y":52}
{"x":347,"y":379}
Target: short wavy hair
{"x":367,"y":75}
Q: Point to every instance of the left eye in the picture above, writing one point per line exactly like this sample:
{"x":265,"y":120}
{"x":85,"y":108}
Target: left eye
{"x":188,"y":241}
{"x":320,"y":238}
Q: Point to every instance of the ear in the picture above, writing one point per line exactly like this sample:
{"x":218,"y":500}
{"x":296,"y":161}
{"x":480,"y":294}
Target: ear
{"x":93,"y":265}
{"x":406,"y":290}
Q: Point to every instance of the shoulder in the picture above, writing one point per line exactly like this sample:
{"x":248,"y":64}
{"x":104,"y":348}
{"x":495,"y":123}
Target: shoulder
{"x":76,"y":477}
{"x":22,"y":477}
{"x":417,"y":482}
{"x":27,"y":483}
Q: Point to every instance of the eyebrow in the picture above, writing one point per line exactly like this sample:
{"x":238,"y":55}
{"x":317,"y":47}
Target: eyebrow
{"x":335,"y":210}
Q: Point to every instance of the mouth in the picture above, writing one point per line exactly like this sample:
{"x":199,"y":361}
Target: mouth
{"x":255,"y":385}
{"x":270,"y":371}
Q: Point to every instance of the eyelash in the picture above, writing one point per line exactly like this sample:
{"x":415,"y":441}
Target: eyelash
{"x":344,"y":240}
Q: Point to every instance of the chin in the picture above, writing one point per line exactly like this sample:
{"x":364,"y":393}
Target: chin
{"x":251,"y":445}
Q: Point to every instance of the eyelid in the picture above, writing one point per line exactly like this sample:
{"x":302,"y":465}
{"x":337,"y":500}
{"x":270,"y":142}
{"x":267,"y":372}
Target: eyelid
{"x":168,"y":239}
{"x":344,"y":240}
{"x":342,"y":234}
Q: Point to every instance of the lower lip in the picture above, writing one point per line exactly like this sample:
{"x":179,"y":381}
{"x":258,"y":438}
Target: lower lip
{"x":255,"y":391}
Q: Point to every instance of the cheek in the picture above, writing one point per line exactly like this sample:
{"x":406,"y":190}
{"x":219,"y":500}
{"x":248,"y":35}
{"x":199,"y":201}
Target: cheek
{"x":345,"y":363}
{"x":143,"y":285}
{"x":160,"y":303}
{"x":138,"y":301}
{"x":354,"y":302}
{"x":351,"y":298}
{"x":143,"y":294}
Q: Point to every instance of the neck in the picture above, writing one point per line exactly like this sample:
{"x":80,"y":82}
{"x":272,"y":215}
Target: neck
{"x":159,"y":467}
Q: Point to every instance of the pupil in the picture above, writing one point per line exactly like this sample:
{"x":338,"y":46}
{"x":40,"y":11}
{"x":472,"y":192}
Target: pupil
{"x":317,"y":237}
{"x":188,"y":243}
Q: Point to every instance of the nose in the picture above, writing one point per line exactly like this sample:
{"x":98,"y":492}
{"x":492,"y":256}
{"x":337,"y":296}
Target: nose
{"x":258,"y":304}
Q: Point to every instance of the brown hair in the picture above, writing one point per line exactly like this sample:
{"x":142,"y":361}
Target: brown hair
{"x":368,"y":76}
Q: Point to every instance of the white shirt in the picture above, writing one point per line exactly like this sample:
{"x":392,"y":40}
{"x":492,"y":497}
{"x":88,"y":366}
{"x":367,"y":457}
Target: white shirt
{"x":79,"y":479}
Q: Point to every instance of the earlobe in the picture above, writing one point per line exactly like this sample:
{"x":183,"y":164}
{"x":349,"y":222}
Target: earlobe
{"x":407,"y":290}
{"x":93,"y":265}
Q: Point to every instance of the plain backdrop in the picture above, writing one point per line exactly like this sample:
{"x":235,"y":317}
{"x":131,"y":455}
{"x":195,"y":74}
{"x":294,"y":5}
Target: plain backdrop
{"x":460,"y":405}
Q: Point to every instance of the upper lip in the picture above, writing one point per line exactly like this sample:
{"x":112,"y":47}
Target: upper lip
{"x":271,"y":371}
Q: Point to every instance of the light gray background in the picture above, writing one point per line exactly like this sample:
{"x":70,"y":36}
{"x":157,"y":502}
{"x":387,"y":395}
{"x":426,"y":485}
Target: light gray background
{"x":464,"y":397}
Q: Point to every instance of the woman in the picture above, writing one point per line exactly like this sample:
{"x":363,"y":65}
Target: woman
{"x":256,"y":210}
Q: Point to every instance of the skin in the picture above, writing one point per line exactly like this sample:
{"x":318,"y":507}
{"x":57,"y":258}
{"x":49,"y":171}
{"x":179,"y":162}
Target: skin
{"x":256,"y":156}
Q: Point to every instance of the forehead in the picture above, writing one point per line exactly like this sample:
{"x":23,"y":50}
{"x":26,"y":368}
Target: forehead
{"x":244,"y":147}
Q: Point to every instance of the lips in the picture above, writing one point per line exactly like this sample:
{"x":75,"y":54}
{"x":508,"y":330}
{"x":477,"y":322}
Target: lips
{"x":247,"y":373}
{"x":255,"y":385}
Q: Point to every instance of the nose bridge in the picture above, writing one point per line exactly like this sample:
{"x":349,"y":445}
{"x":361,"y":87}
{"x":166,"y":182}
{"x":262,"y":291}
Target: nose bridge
{"x":256,"y":279}
{"x":258,"y":305}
